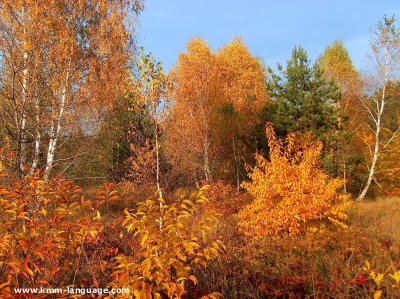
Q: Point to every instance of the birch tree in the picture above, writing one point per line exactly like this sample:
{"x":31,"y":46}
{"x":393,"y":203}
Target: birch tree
{"x":151,"y":88}
{"x":150,"y":92}
{"x":16,"y":61}
{"x":244,"y":98}
{"x":196,"y":95}
{"x":218,"y":99}
{"x":385,"y":59}
{"x":61,"y":61}
{"x":338,"y":66}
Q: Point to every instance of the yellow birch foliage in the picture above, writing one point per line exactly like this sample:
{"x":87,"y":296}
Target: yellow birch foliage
{"x":197,"y":94}
{"x":291,"y":193}
{"x":243,"y":82}
{"x":338,"y":66}
{"x":218,"y":99}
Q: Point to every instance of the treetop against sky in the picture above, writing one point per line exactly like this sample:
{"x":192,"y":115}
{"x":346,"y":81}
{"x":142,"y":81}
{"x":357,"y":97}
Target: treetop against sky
{"x":270,"y":28}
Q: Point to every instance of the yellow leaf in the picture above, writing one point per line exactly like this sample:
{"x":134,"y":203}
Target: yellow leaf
{"x":30,"y":272}
{"x":367,"y":266}
{"x":171,"y":290}
{"x":144,"y":239}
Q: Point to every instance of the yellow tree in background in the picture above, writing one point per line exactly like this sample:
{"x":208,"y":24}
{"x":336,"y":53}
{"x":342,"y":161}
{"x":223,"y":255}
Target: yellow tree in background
{"x":218,"y":97}
{"x":244,"y":97}
{"x":337,"y":65}
{"x":197,"y":94}
{"x":244,"y":79}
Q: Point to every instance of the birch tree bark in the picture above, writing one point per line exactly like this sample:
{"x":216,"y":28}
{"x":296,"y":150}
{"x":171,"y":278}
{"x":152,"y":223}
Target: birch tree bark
{"x":24,"y":93}
{"x":386,"y":58}
{"x":56,"y":125}
{"x":38,"y":137}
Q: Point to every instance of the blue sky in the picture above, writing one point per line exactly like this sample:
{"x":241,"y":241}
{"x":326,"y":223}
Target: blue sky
{"x":270,"y":28}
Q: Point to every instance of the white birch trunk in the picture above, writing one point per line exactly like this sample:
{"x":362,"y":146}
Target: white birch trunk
{"x":56,"y":129}
{"x":207,"y":171}
{"x":236,"y":164}
{"x":22,"y":140}
{"x":380,"y":105}
{"x":38,"y":138}
{"x":373,"y":163}
{"x":22,"y":159}
{"x":158,"y":170}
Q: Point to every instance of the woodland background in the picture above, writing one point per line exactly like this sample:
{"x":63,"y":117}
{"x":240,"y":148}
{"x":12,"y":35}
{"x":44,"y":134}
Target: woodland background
{"x":223,"y":177}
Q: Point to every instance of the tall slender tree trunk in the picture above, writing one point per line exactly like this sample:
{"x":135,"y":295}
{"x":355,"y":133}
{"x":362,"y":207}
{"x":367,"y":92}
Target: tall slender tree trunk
{"x":38,"y":137}
{"x":24,"y":94}
{"x":236,"y":164}
{"x":371,"y":172}
{"x":158,"y":170}
{"x":157,"y":160}
{"x":56,"y":128}
{"x":207,"y":171}
{"x":378,"y":123}
{"x":344,"y":174}
{"x":22,"y":160}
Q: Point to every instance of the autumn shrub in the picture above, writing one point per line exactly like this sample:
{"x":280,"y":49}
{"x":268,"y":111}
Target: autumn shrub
{"x":171,"y":242}
{"x":43,"y":227}
{"x":292,"y":194}
{"x":132,"y":193}
{"x":225,"y":198}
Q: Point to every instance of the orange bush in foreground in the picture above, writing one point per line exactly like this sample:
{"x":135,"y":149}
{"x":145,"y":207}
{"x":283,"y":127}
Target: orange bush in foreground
{"x":43,"y":227}
{"x":291,"y":193}
{"x":51,"y":236}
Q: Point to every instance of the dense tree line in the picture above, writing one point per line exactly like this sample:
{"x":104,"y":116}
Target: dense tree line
{"x":93,"y":107}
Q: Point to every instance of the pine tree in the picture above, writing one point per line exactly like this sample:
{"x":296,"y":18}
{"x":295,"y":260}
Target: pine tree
{"x":303,"y":100}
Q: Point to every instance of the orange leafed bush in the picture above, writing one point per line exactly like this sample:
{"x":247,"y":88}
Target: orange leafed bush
{"x":51,"y":236}
{"x":291,"y":193}
{"x":44,"y":226}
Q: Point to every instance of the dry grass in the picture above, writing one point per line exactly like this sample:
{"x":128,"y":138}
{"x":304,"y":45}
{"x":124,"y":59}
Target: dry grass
{"x":379,"y":219}
{"x":327,"y":264}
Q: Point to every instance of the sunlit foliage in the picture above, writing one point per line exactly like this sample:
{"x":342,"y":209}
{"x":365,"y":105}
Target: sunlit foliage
{"x":43,"y":227}
{"x":292,"y":194}
{"x":167,"y":254}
